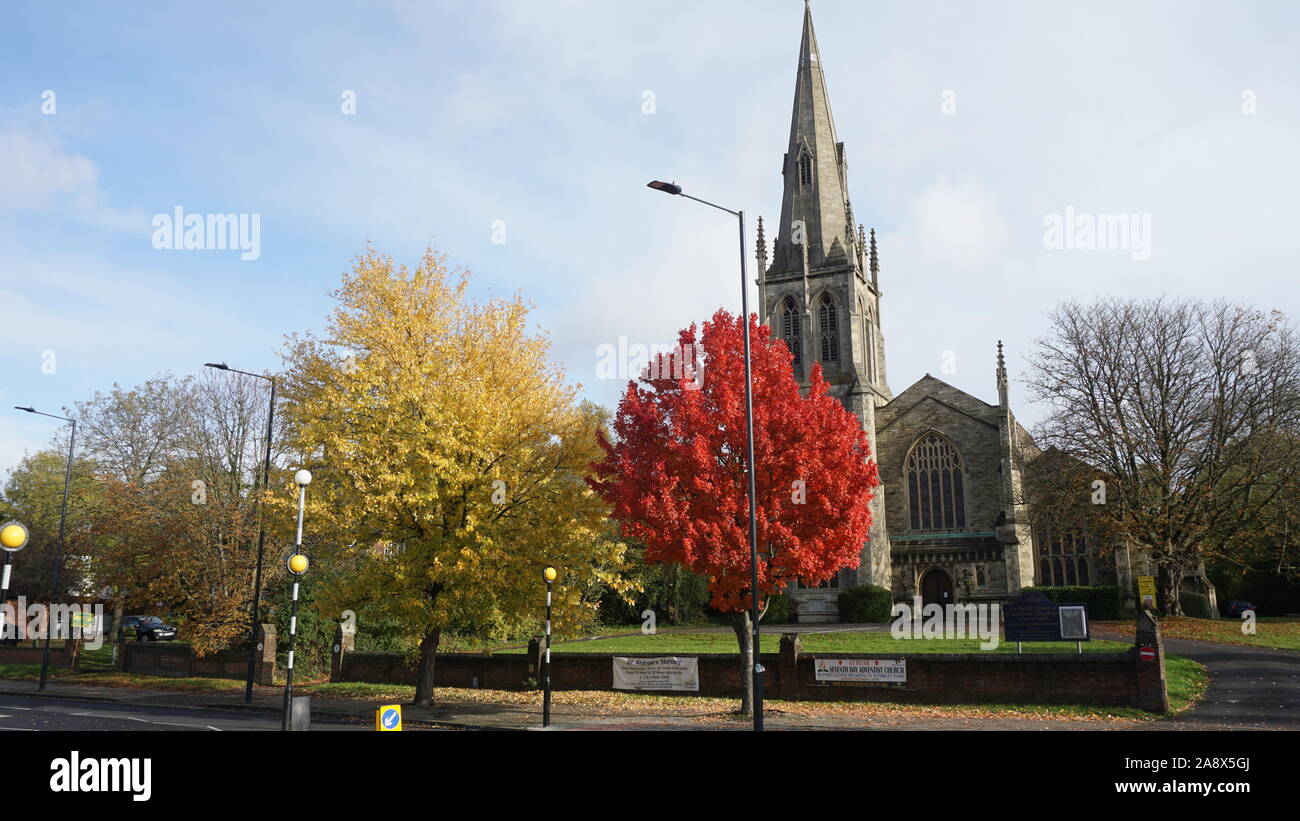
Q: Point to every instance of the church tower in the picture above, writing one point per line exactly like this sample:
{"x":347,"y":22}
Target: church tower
{"x":820,"y":292}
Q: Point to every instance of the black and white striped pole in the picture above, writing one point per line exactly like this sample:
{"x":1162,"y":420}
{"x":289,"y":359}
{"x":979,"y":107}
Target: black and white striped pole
{"x":297,"y":566}
{"x":549,"y":574}
{"x":13,"y":537}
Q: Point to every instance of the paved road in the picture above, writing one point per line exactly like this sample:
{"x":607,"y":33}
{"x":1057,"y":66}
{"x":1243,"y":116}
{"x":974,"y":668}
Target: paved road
{"x":26,"y":713}
{"x":1250,"y":688}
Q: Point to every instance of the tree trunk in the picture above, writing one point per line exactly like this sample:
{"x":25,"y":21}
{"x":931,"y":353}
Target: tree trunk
{"x":424,"y":676}
{"x":741,"y":623}
{"x":1171,"y":585}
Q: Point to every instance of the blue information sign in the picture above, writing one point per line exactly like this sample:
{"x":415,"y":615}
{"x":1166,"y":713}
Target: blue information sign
{"x":1034,"y":617}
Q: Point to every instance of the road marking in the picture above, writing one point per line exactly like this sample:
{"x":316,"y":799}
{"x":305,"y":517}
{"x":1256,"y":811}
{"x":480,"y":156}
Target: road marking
{"x":147,"y":721}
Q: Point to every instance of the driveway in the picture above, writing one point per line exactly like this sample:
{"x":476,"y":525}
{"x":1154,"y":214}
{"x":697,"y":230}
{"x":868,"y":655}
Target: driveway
{"x":1251,"y":688}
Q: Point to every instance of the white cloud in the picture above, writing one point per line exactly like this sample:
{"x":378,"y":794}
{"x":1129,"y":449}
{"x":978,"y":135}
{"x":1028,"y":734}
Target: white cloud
{"x":40,"y":175}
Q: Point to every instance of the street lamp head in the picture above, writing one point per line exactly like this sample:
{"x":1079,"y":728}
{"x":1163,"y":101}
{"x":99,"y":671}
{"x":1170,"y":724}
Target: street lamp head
{"x":13,"y":536}
{"x":221,"y":366}
{"x":666,"y":187}
{"x":21,"y":408}
{"x":302,"y":477}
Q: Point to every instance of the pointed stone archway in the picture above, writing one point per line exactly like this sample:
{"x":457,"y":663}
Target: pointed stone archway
{"x":936,"y":587}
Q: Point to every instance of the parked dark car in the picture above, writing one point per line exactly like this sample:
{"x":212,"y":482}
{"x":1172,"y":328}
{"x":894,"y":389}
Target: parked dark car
{"x":149,"y":628}
{"x":1238,"y":607}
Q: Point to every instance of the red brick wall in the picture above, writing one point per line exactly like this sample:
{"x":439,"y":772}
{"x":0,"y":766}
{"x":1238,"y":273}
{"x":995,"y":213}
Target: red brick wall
{"x":179,"y":661}
{"x":32,"y":655}
{"x":1101,"y":679}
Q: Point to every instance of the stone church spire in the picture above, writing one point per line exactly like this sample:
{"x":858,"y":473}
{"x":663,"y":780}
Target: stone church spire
{"x":815,"y":180}
{"x":816,"y":294}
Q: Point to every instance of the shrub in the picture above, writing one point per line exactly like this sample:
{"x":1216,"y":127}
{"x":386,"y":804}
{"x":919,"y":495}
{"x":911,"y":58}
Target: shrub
{"x":1196,"y":605}
{"x":1274,"y":595}
{"x":315,"y":633}
{"x":1102,"y":600}
{"x":865,"y":603}
{"x":780,"y":609}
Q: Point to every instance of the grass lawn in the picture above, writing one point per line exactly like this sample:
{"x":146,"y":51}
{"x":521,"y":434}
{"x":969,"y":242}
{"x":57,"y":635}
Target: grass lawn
{"x":1278,"y":632}
{"x":687,"y":642}
{"x":1185,"y":681}
{"x":108,"y":678}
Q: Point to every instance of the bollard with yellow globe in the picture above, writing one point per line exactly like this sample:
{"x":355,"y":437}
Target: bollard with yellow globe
{"x":13,"y":537}
{"x":297,"y":564}
{"x":549,"y":574}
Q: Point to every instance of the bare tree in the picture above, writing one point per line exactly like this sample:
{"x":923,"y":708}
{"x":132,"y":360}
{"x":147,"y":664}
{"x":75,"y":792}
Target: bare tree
{"x":184,"y":457}
{"x":1181,"y":408}
{"x":133,"y":434}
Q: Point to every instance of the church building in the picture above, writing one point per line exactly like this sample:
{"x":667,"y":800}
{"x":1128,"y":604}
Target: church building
{"x":950,"y":520}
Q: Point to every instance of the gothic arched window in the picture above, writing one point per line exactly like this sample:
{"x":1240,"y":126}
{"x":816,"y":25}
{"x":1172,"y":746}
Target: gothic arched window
{"x":935,"y":485}
{"x":869,"y":345}
{"x":805,"y":168}
{"x":1063,"y":558}
{"x":829,"y":327}
{"x":791,"y":331}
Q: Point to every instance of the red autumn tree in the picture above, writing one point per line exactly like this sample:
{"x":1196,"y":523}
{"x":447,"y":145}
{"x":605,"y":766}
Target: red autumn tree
{"x":676,"y":476}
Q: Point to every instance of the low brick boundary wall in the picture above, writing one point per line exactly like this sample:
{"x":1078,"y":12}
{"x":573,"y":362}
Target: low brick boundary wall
{"x":164,"y":658}
{"x":507,"y":671}
{"x":1119,"y":679}
{"x":1099,"y":679}
{"x":59,"y":656}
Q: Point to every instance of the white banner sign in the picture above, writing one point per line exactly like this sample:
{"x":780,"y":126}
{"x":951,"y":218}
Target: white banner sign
{"x":669,"y":673}
{"x":891,"y":671}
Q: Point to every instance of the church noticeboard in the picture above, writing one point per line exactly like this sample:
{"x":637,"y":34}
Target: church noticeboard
{"x":1034,"y":617}
{"x":875,"y":671}
{"x":667,"y":673}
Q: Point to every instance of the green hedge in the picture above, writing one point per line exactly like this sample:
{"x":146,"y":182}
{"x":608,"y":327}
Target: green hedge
{"x":865,"y":603}
{"x":1103,"y":600}
{"x":1196,"y":605}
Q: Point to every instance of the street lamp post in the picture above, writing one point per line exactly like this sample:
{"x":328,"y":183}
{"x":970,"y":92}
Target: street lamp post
{"x":261,"y":530}
{"x":13,"y":537}
{"x":549,"y":574}
{"x":58,"y":554}
{"x":297,"y":566}
{"x":676,"y":190}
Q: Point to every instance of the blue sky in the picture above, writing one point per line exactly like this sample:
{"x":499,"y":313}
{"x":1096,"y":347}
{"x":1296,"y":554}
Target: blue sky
{"x":532,"y":113}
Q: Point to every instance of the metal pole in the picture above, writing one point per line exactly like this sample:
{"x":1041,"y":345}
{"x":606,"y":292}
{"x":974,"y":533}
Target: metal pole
{"x":749,"y":452}
{"x":753,"y":492}
{"x":58,"y":558}
{"x":546,"y":664}
{"x":293,"y":620}
{"x":4,"y":593}
{"x":261,"y":550}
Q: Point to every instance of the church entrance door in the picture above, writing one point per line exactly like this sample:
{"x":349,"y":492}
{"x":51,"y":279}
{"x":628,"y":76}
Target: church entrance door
{"x":936,"y":588}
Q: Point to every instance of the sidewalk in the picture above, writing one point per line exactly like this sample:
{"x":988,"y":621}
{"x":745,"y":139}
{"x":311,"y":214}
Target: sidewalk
{"x":449,"y":715}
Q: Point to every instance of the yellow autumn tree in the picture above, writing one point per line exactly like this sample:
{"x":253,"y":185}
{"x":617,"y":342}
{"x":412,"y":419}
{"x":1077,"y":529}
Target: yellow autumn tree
{"x":448,"y":456}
